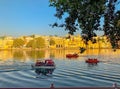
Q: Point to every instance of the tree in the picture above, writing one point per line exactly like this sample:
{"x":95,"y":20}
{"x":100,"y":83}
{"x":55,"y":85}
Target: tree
{"x":111,"y":30}
{"x":85,"y":15}
{"x":30,"y":44}
{"x":52,"y":42}
{"x":40,"y":42}
{"x":18,"y":43}
{"x":36,"y":43}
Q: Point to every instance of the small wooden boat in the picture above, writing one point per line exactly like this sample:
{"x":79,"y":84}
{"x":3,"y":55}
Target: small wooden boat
{"x":72,"y":55}
{"x":92,"y":60}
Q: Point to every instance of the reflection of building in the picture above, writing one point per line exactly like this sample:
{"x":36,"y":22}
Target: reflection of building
{"x":5,"y":55}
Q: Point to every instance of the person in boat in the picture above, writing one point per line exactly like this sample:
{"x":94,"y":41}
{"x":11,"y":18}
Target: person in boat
{"x":49,"y":63}
{"x":39,"y":63}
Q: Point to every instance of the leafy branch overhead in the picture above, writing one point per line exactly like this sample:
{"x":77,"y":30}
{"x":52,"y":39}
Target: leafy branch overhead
{"x":85,"y":15}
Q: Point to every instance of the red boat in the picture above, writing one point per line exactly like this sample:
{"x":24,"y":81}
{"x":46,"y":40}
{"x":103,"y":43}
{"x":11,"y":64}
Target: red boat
{"x":92,"y":60}
{"x":72,"y":55}
{"x":48,"y":63}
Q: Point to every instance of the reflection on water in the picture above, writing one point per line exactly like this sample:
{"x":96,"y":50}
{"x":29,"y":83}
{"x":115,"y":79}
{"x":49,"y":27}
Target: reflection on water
{"x":44,"y":71}
{"x":16,"y":71}
{"x":35,"y":54}
{"x":91,"y":65}
{"x":25,"y":55}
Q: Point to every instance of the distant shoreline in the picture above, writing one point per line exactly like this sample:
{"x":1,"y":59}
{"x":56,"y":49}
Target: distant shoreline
{"x":47,"y":48}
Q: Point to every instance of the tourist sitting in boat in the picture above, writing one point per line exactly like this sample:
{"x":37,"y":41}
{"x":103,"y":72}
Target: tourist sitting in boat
{"x":39,"y":63}
{"x":44,"y":67}
{"x":49,"y":62}
{"x":90,"y":60}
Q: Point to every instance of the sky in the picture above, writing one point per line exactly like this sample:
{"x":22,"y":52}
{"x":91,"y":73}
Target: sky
{"x":27,"y":17}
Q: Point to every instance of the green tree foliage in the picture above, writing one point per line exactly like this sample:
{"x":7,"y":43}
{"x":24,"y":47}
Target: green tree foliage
{"x":30,"y":44}
{"x":36,"y":43}
{"x":52,"y":42}
{"x":85,"y":15}
{"x":111,"y":30}
{"x":40,"y":42}
{"x":18,"y":43}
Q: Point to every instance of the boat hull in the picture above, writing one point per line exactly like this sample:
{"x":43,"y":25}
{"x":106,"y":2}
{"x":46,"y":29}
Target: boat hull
{"x":93,"y":61}
{"x":43,"y":67}
{"x":72,"y":55}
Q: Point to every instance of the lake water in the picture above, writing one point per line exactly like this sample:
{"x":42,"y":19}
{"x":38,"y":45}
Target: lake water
{"x":16,"y":71}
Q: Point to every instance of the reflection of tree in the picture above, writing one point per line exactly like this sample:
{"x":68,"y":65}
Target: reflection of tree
{"x":18,"y":55}
{"x":52,"y":55}
{"x":36,"y":54}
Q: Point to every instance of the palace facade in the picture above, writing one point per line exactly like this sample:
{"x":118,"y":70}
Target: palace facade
{"x":53,"y":42}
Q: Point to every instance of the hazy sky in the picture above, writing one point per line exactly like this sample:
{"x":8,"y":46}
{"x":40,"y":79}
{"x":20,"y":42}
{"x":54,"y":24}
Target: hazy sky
{"x":26,"y":17}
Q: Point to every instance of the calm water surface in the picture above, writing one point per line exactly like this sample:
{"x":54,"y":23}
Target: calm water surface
{"x":16,"y":71}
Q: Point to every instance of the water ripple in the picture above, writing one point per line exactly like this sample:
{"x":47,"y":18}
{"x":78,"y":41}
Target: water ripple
{"x":67,"y":73}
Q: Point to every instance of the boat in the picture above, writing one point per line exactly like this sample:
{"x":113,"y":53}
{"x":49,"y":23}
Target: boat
{"x":44,"y":67}
{"x":92,"y":60}
{"x":72,"y":55}
{"x":47,"y":64}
